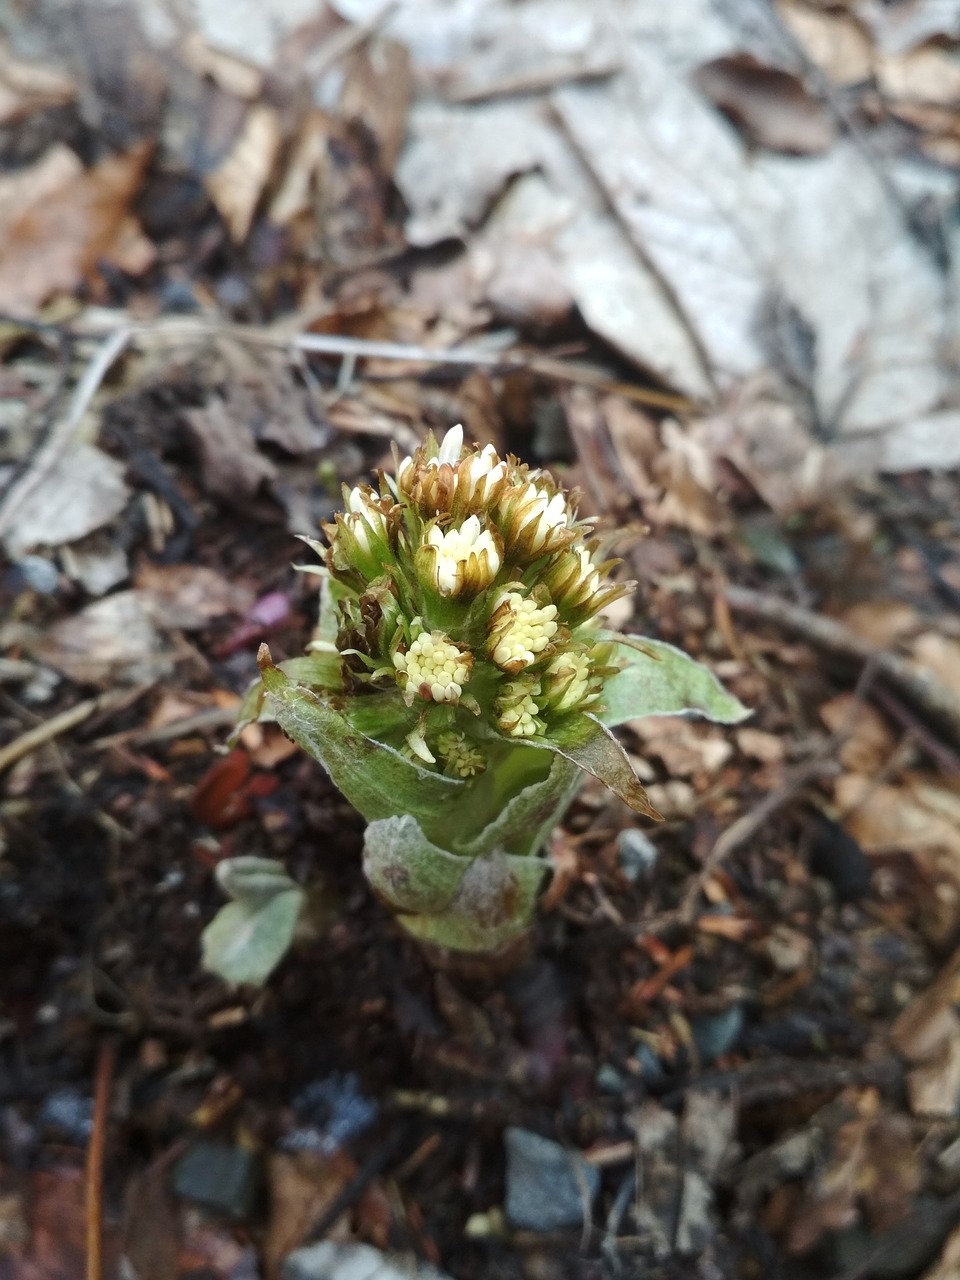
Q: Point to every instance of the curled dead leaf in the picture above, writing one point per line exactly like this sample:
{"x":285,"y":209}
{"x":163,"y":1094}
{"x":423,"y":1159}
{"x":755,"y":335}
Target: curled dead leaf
{"x":772,"y":108}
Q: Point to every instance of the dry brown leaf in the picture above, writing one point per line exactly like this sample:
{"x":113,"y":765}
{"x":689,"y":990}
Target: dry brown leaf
{"x":771,"y":107}
{"x":687,"y":473}
{"x":929,"y":75}
{"x":927,"y":1034}
{"x":874,"y":1168}
{"x":297,"y":190}
{"x":189,"y":597}
{"x":233,"y":75}
{"x":26,"y":87}
{"x":82,"y":492}
{"x":869,"y":741}
{"x":675,"y":799}
{"x":268,"y":748}
{"x":882,"y":622}
{"x":934,"y":1087}
{"x":231,"y":465}
{"x":177,"y":706}
{"x":917,"y":817}
{"x":634,"y":437}
{"x":941,"y":656}
{"x":57,"y":240}
{"x":765,"y":438}
{"x":237,"y":184}
{"x":920,"y":819}
{"x":377,"y":91}
{"x":25,"y":188}
{"x":834,"y":40}
{"x":302,"y":1187}
{"x":686,"y":748}
{"x":758,"y":745}
{"x":130,"y":251}
{"x":945,"y":149}
{"x":112,"y":641}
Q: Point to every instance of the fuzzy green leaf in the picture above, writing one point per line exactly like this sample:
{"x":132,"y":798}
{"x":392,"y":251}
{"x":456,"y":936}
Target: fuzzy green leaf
{"x":494,"y":904}
{"x":665,"y":682}
{"x":248,"y":937}
{"x":466,"y":904}
{"x":526,"y":820}
{"x":376,"y":779}
{"x":407,"y":871}
{"x":318,"y":670}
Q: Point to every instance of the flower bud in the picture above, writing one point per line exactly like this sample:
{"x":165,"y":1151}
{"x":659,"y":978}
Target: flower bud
{"x":577,"y":585}
{"x":534,"y":521}
{"x":460,"y":757}
{"x":570,"y":682}
{"x":480,"y":479}
{"x":488,"y":559}
{"x":454,"y":561}
{"x":517,"y":711}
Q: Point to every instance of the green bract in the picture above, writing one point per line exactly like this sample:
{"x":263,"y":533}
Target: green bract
{"x":456,"y":690}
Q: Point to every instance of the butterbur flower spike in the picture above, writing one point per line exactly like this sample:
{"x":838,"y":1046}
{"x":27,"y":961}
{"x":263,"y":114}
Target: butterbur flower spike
{"x":459,"y":685}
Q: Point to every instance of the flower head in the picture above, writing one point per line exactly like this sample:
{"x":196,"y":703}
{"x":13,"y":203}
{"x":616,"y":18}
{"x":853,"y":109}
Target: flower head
{"x":469,"y":585}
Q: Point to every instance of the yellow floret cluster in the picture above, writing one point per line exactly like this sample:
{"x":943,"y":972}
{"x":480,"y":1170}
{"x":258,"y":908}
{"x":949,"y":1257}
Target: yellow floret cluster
{"x":433,"y":667}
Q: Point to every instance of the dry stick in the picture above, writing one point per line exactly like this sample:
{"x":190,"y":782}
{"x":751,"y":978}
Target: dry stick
{"x":57,"y":725}
{"x":38,"y":737}
{"x":747,"y":826}
{"x":942,"y":756}
{"x":63,"y":434}
{"x":750,"y":824}
{"x":932,"y":698}
{"x":179,"y":329}
{"x":95,"y":1151}
{"x":203,"y":721}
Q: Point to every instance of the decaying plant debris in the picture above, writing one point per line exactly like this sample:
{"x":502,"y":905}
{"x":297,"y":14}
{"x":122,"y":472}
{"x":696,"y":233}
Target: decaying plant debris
{"x":229,"y":286}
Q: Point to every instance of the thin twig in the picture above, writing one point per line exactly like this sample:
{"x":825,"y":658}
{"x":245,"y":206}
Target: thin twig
{"x":48,"y":730}
{"x":211,"y":719}
{"x":180,"y":329}
{"x":95,"y":1153}
{"x":747,"y":826}
{"x":371,"y":1168}
{"x":941,"y":755}
{"x":347,"y":40}
{"x":919,"y":687}
{"x":43,"y":733}
{"x":60,"y":438}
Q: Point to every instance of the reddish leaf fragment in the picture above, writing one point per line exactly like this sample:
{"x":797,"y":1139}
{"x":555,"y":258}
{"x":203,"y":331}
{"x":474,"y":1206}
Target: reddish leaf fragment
{"x":225,"y":794}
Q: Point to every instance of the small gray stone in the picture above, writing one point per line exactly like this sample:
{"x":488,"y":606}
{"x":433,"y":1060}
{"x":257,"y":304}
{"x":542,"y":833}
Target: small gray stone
{"x":716,"y":1033}
{"x":609,"y":1080}
{"x":548,"y":1187}
{"x":328,"y":1261}
{"x":222,"y":1178}
{"x":70,"y":1112}
{"x":39,"y":574}
{"x":638,"y":855}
